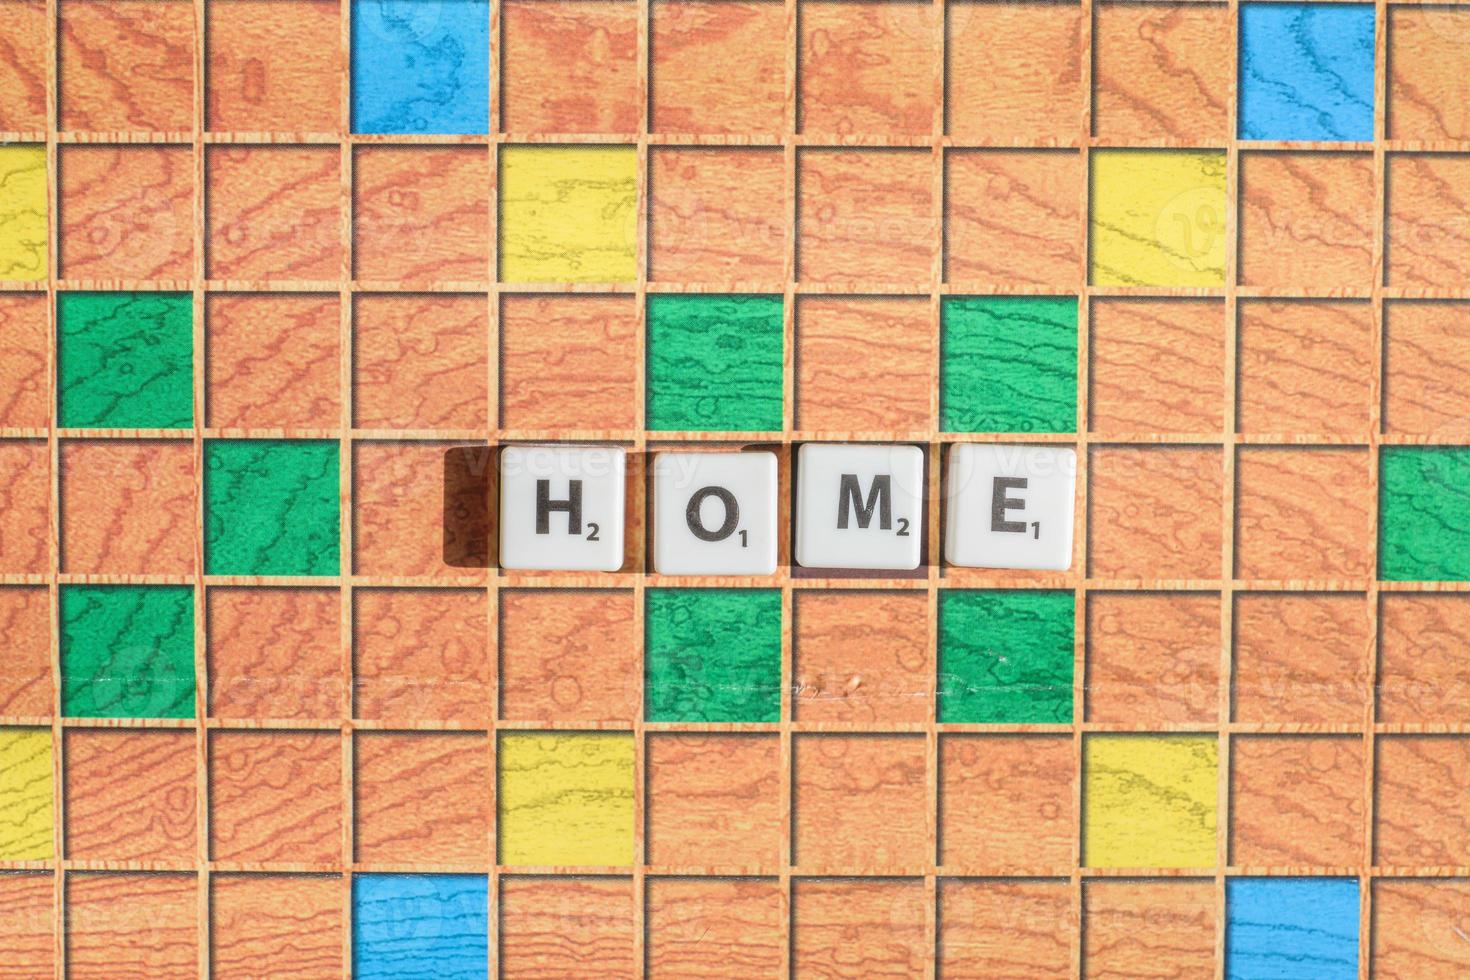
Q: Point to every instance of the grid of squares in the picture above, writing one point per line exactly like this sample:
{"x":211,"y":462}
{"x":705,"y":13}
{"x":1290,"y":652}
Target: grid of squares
{"x":1023,"y":222}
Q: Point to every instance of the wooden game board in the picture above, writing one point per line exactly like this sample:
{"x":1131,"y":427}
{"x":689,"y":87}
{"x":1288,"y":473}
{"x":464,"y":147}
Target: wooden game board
{"x":277,"y":276}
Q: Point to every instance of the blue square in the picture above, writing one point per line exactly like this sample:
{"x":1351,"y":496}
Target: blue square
{"x":420,"y":927}
{"x":1306,"y":71}
{"x":1291,"y":929}
{"x":421,"y":66}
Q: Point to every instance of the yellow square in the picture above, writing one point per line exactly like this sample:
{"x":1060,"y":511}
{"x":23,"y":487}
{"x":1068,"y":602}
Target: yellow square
{"x":25,"y":794}
{"x":568,"y":214}
{"x":566,"y":798}
{"x":1149,"y":801}
{"x":23,"y":213}
{"x":1158,"y":218}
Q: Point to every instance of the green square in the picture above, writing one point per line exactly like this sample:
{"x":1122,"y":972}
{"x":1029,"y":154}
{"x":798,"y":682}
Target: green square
{"x":271,"y":507}
{"x":713,"y":655}
{"x":1005,"y":656}
{"x":125,"y":360}
{"x":1009,"y":364}
{"x":127,"y":651}
{"x":714,"y":363}
{"x":1424,"y":514}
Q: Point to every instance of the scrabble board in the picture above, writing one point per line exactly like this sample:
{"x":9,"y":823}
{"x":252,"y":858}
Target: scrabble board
{"x":281,"y":282}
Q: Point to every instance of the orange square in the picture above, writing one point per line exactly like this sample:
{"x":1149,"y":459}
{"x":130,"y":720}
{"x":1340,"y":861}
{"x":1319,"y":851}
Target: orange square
{"x":881,"y":347}
{"x":1149,"y":928}
{"x":422,"y":654}
{"x":1158,"y":365}
{"x":865,"y":216}
{"x":1419,"y":927}
{"x":128,"y":506}
{"x":24,"y":340}
{"x":274,"y":212}
{"x":1428,"y":233}
{"x":1013,"y":217}
{"x":1423,"y":674}
{"x":860,"y":801}
{"x":1304,"y":366}
{"x":862,"y":657}
{"x":273,"y":360}
{"x":852,"y":928}
{"x":25,"y":520}
{"x":275,"y":653}
{"x":130,"y":794}
{"x":1155,"y":512}
{"x":126,"y":65}
{"x":1422,"y":807}
{"x":25,"y":673}
{"x":568,"y":362}
{"x":1015,"y":73}
{"x":1153,"y":657}
{"x":731,"y":928}
{"x":1301,"y":658}
{"x":275,"y":796}
{"x":422,"y":797}
{"x":1296,"y":801}
{"x":1428,"y":90}
{"x":1306,"y":219}
{"x":697,"y":87}
{"x":23,"y":68}
{"x":127,"y":212}
{"x":274,"y":65}
{"x":132,"y":925}
{"x":569,"y":67}
{"x":867,"y":67}
{"x":714,"y":801}
{"x":568,"y":655}
{"x":421,"y":361}
{"x":566,"y":926}
{"x":1162,"y":71}
{"x":1426,"y":384}
{"x":1303,"y":513}
{"x":398,"y":509}
{"x":27,"y":923}
{"x":716,"y":215}
{"x":421,"y":213}
{"x":1006,"y":803}
{"x":276,"y":925}
{"x":1006,"y":929}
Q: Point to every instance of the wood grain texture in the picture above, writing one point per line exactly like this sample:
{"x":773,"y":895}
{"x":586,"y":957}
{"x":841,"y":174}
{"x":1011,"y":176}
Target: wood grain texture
{"x":24,"y":231}
{"x":23,"y":65}
{"x":1303,"y":513}
{"x":272,"y":507}
{"x":1296,"y":801}
{"x":569,"y":67}
{"x":27,"y":927}
{"x":729,"y":928}
{"x":1301,"y":658}
{"x":128,"y":507}
{"x":848,"y":928}
{"x":1306,"y":219}
{"x":1428,"y":89}
{"x":25,"y":508}
{"x":1157,"y":218}
{"x":1149,"y":801}
{"x":1162,"y":70}
{"x":859,"y":801}
{"x":716,"y":215}
{"x":273,"y":65}
{"x":1158,"y":365}
{"x":714,"y":363}
{"x":272,"y":360}
{"x":421,"y":797}
{"x":422,"y":654}
{"x":26,"y":687}
{"x":714,"y":800}
{"x":568,"y":655}
{"x":1155,"y":512}
{"x":130,"y":795}
{"x":275,"y":796}
{"x":132,"y":926}
{"x":1423,"y":676}
{"x":565,"y":798}
{"x":127,"y":212}
{"x":861,"y":657}
{"x":127,"y":651}
{"x":1007,"y":802}
{"x":275,"y":653}
{"x":1136,"y":928}
{"x":1014,"y":69}
{"x":27,"y":800}
{"x":1153,"y":657}
{"x":864,"y":215}
{"x":23,"y":372}
{"x":568,"y":362}
{"x":398,"y":509}
{"x":273,"y":212}
{"x":126,"y":65}
{"x":568,"y":213}
{"x":420,"y":361}
{"x":883,"y":347}
{"x":287,"y":926}
{"x":1422,"y":812}
{"x":1012,"y":217}
{"x":566,"y":926}
{"x":125,"y":360}
{"x":695,"y":88}
{"x":1304,"y":366}
{"x":1426,"y":379}
{"x":866,"y":67}
{"x":1419,"y":928}
{"x":418,"y":213}
{"x":1428,"y":231}
{"x":1005,"y":930}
